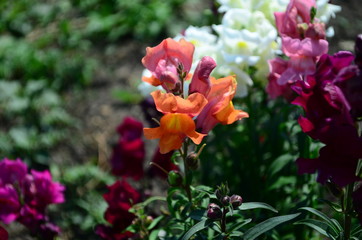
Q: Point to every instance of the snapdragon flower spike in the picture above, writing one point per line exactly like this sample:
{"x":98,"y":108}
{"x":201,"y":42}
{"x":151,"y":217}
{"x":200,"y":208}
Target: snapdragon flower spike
{"x":166,"y":60}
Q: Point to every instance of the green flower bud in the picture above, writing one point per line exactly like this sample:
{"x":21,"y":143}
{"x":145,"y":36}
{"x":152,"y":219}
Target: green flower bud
{"x":192,"y":161}
{"x":174,"y":178}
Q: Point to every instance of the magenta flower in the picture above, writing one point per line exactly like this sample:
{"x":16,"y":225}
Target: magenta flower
{"x":40,"y":190}
{"x":9,"y":204}
{"x":128,"y":155}
{"x":12,"y":171}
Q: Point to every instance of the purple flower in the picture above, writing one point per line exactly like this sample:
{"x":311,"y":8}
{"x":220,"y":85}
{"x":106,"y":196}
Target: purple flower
{"x":328,"y":119}
{"x":9,"y":204}
{"x":12,"y":171}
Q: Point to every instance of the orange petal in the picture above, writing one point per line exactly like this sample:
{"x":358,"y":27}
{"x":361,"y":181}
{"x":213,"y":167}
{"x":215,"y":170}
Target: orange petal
{"x":169,"y":103}
{"x":229,"y":115}
{"x":195,"y":136}
{"x":222,"y":86}
{"x":152,"y":133}
{"x":152,"y":80}
{"x":169,"y":142}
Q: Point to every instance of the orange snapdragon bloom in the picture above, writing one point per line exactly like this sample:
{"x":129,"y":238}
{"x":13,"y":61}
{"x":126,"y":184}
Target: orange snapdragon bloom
{"x":177,"y":123}
{"x":174,"y":127}
{"x":220,"y":108}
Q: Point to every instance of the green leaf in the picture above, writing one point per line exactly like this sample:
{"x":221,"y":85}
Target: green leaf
{"x":155,"y":222}
{"x":267,"y":225}
{"x":330,"y":223}
{"x":238,"y":225}
{"x":317,"y":225}
{"x":198,"y":214}
{"x":197,"y":227}
{"x":154,"y":234}
{"x":280,"y":163}
{"x":253,"y":205}
{"x":126,"y":96}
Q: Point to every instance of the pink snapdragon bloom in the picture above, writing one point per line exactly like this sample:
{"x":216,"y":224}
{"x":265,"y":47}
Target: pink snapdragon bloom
{"x":165,"y":59}
{"x":12,"y":171}
{"x":303,"y":55}
{"x":298,"y":12}
{"x":277,"y":67}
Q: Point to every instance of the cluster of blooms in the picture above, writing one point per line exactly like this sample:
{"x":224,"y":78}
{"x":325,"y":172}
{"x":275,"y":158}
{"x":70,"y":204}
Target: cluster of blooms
{"x":25,"y":196}
{"x":328,"y":88}
{"x":120,"y":198}
{"x":205,"y":99}
{"x":244,"y":41}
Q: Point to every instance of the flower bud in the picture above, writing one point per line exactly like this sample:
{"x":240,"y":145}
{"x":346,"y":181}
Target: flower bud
{"x":192,"y":161}
{"x":214,"y":211}
{"x":174,"y":178}
{"x":225,"y":201}
{"x":236,"y":201}
{"x":222,"y":191}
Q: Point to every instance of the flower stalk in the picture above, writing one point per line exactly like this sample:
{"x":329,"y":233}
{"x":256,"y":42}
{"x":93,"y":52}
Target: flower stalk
{"x":347,"y":211}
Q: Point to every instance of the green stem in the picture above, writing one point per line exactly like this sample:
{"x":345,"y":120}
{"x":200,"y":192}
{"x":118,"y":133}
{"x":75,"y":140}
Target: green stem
{"x":223,"y":220}
{"x":187,"y":170}
{"x":347,"y":212}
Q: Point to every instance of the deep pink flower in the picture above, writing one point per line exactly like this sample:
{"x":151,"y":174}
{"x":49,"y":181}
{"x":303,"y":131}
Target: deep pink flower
{"x":298,"y":12}
{"x":164,"y":60}
{"x":9,"y":204}
{"x":12,"y":171}
{"x":128,"y":155}
{"x":3,"y":234}
{"x":40,"y":190}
